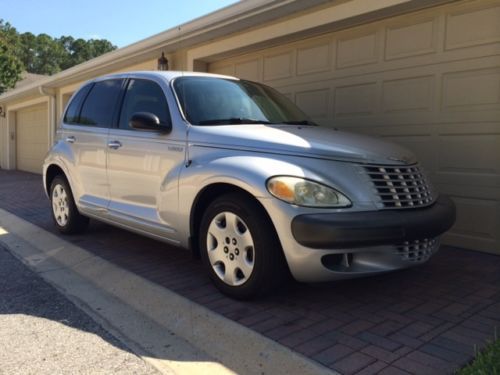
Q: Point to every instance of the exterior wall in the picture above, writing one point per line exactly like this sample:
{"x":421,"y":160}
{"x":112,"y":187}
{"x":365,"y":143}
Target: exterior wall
{"x":3,"y":142}
{"x":424,"y":80}
{"x":179,"y":60}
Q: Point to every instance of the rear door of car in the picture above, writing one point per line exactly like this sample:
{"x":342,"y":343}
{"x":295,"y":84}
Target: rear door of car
{"x":85,"y":130}
{"x":143,"y":165}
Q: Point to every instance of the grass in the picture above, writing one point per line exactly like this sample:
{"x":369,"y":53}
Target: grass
{"x":487,"y":362}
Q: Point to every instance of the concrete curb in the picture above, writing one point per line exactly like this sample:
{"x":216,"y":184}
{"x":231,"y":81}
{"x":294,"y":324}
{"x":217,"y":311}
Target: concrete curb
{"x":165,"y":329}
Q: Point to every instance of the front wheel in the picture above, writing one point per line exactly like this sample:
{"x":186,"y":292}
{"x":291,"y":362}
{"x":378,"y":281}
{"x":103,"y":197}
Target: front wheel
{"x":64,"y":211}
{"x":239,"y":247}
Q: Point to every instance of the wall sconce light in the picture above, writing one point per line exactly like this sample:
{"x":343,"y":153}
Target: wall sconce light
{"x":2,"y":112}
{"x":162,"y":62}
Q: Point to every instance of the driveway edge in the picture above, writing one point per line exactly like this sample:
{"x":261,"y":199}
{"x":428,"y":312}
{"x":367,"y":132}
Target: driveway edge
{"x":169,"y":331}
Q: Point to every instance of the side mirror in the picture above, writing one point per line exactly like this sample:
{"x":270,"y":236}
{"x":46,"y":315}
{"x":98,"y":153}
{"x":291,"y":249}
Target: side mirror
{"x":148,"y":121}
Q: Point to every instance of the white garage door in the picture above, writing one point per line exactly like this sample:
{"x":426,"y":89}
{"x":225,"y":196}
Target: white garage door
{"x":31,"y":138}
{"x":429,"y":80}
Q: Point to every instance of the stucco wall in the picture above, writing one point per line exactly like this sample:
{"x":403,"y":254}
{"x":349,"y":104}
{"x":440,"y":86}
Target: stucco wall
{"x":3,"y":148}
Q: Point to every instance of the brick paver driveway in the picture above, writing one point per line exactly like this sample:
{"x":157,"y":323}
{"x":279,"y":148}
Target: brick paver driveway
{"x":424,"y":320}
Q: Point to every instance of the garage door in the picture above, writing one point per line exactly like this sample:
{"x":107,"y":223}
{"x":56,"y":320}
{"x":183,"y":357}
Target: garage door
{"x":429,"y":80}
{"x":31,"y":138}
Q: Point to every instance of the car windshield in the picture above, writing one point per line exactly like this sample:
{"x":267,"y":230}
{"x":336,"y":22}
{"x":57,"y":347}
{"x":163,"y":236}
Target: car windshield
{"x":220,"y":101}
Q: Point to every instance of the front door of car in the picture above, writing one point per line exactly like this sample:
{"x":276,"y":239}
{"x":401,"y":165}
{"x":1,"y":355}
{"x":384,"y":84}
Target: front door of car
{"x":143,"y":165}
{"x":85,"y":130}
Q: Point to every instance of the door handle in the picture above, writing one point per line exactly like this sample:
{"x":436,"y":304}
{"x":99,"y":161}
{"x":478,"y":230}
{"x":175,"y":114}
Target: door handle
{"x":114,"y":144}
{"x":70,"y":139}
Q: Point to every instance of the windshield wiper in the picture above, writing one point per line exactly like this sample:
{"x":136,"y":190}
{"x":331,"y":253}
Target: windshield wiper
{"x":233,"y":120}
{"x":300,"y":122}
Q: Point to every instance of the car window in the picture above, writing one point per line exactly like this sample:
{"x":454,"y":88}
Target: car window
{"x":219,"y":101}
{"x":100,"y":103}
{"x":73,"y":111}
{"x":143,"y":96}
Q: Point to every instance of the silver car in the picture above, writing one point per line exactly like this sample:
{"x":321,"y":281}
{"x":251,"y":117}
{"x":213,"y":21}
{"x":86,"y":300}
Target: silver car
{"x":234,"y":171}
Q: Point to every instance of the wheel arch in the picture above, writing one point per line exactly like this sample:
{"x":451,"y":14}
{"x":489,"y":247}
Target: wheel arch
{"x":203,"y":199}
{"x":53,"y":170}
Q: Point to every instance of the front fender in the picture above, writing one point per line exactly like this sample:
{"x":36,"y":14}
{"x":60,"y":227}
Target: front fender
{"x":247,"y":172}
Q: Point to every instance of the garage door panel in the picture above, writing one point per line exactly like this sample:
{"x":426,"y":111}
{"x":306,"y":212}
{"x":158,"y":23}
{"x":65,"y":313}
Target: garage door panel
{"x":315,"y":58}
{"x":485,"y":186}
{"x":472,"y":90}
{"x":32,"y":135}
{"x":476,"y":223}
{"x":314,"y":102}
{"x":460,"y":34}
{"x":408,"y":94}
{"x":31,"y":138}
{"x":356,"y":100}
{"x":423,"y":36}
{"x":27,"y":164}
{"x":471,"y":154}
{"x":429,"y":81}
{"x":250,"y":70}
{"x":359,"y":50}
{"x":469,"y":209}
{"x":278,"y":66}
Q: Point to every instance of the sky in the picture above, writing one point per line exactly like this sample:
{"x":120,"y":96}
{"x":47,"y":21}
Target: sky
{"x":121,"y":22}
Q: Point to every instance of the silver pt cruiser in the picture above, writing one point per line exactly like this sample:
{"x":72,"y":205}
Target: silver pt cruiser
{"x":236,"y":172}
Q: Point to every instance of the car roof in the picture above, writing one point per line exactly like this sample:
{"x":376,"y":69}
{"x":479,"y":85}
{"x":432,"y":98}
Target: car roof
{"x":166,"y":75}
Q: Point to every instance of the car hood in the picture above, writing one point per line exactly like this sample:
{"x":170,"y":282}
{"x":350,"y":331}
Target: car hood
{"x":309,"y":141}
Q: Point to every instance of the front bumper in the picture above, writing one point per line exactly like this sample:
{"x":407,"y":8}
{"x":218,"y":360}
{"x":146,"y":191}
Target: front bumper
{"x":361,"y":229}
{"x":345,"y":245}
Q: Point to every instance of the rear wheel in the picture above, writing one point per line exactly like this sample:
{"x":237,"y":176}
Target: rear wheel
{"x":239,"y":247}
{"x":64,"y":211}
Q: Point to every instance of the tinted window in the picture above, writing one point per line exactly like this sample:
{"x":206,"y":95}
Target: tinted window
{"x":100,"y":104}
{"x":143,"y":96}
{"x":73,"y":111}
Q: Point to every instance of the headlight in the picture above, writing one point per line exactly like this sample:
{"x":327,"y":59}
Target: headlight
{"x":302,"y":192}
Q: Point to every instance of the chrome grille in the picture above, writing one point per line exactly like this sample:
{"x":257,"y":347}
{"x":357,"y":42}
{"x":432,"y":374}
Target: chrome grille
{"x":400,"y":187}
{"x":417,"y":251}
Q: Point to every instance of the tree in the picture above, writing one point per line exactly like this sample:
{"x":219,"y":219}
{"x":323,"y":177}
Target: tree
{"x":42,"y":54}
{"x":46,"y":57}
{"x":26,"y":50}
{"x":80,"y":50}
{"x":10,"y":65}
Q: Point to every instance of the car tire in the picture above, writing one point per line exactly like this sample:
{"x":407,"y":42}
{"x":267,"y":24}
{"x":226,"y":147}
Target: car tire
{"x":239,"y":247}
{"x":64,"y":211}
